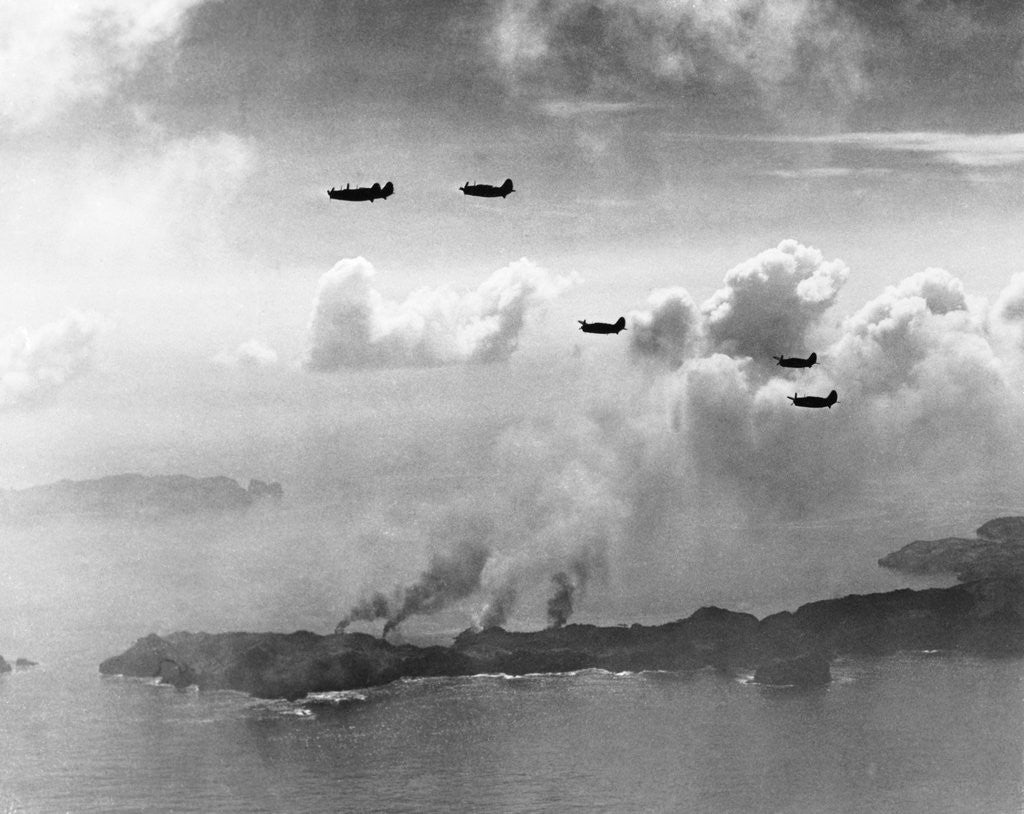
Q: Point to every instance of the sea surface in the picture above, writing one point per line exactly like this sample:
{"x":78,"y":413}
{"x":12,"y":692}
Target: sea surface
{"x":922,"y":732}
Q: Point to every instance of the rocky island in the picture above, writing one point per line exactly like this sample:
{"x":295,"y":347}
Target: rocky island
{"x":20,"y":663}
{"x":996,"y":551}
{"x":983,"y":617}
{"x":133,"y":495}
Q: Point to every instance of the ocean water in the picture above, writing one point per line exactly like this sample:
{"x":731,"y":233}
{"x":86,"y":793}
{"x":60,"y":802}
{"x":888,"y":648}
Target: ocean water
{"x":910,"y":733}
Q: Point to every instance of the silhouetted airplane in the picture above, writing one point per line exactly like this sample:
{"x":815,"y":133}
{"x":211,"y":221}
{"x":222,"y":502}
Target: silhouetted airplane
{"x":814,"y":401}
{"x":796,"y":361}
{"x":602,"y":327}
{"x":361,"y":193}
{"x":486,"y":190}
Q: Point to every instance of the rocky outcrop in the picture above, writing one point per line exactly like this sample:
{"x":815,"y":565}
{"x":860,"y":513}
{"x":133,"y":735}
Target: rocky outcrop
{"x":997,"y":551}
{"x":1003,"y":529}
{"x":984,"y":617}
{"x":273,"y":665}
{"x":134,"y":495}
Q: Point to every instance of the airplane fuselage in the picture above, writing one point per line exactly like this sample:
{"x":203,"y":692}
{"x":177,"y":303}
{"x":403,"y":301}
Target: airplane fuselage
{"x":487,"y":190}
{"x":603,"y":327}
{"x":796,"y":361}
{"x":814,"y":401}
{"x":362,"y":193}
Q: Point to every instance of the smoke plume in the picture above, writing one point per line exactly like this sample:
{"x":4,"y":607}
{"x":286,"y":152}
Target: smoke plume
{"x":448,"y":578}
{"x":353,"y":325}
{"x":499,"y":607}
{"x":33,"y":365}
{"x":572,"y":583}
{"x":374,"y":607}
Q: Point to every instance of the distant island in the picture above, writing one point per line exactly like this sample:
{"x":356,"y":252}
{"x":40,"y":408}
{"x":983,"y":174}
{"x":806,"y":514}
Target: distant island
{"x":982,"y":617}
{"x":134,"y":495}
{"x":996,"y":551}
{"x":20,"y":663}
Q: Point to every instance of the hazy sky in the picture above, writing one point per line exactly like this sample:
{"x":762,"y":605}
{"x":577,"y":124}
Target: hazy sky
{"x":181,"y":296}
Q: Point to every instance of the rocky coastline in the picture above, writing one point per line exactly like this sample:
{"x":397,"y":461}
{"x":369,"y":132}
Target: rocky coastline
{"x":984,"y":617}
{"x":997,"y":550}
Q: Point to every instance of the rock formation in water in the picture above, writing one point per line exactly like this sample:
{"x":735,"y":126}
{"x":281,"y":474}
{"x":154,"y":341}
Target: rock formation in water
{"x":984,"y":617}
{"x":134,"y":495}
{"x":4,"y":666}
{"x":997,"y":551}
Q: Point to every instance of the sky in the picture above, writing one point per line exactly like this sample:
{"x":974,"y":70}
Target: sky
{"x":739,"y":179}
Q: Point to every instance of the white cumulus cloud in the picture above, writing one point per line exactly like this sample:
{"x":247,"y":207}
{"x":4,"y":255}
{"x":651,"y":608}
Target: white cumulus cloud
{"x":354,"y":325}
{"x":769,"y":301}
{"x":34,"y":364}
{"x":668,"y":328}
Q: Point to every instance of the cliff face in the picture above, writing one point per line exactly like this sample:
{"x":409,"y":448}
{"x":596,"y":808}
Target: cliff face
{"x":133,"y":495}
{"x":997,"y":551}
{"x":984,"y":617}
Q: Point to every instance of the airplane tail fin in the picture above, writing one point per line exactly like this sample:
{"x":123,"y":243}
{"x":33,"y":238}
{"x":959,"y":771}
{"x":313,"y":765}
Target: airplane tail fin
{"x":620,"y":324}
{"x":778,"y":359}
{"x":812,"y":358}
{"x":793,"y":398}
{"x":389,"y":189}
{"x":833,"y":398}
{"x":507,"y":186}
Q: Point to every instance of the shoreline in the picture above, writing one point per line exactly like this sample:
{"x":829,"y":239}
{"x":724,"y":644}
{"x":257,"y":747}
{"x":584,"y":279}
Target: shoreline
{"x":985,"y":617}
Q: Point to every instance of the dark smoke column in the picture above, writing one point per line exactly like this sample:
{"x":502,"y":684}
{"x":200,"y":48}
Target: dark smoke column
{"x":560,"y":605}
{"x":587,"y":563}
{"x":376,"y":607}
{"x":448,"y":578}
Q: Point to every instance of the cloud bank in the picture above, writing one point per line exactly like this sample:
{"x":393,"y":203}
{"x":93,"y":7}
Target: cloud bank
{"x":784,"y":65}
{"x":766,"y":307}
{"x":923,"y":373}
{"x":33,"y":365}
{"x":764,"y":54}
{"x":53,"y":54}
{"x":353,"y":325}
